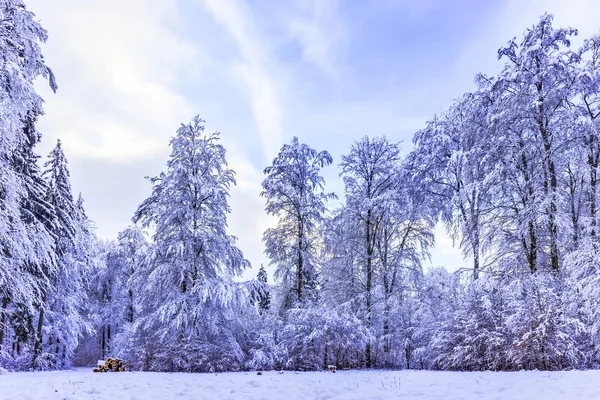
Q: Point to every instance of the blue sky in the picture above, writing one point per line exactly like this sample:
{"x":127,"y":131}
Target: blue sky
{"x":130,"y":71}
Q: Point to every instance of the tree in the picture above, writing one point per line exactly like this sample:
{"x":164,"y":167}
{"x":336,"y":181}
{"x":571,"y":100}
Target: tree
{"x":402,"y":247}
{"x":370,"y":173}
{"x":587,"y":106}
{"x":537,"y":82}
{"x":25,"y":244}
{"x":263,"y":297}
{"x":132,"y":246}
{"x":189,"y":298}
{"x":295,"y":194}
{"x":113,"y":295}
{"x":22,"y":63}
{"x":34,"y":260}
{"x":64,"y":297}
{"x":452,"y":160}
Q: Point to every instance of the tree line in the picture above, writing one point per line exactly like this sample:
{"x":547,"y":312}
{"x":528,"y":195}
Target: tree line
{"x":511,"y":169}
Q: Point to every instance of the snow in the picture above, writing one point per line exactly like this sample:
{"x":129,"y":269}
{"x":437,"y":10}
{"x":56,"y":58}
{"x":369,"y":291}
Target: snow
{"x":422,"y":385}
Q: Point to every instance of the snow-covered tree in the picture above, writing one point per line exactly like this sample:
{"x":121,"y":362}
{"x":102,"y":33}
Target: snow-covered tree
{"x":370,"y":173}
{"x":187,"y":299}
{"x":537,"y":82}
{"x":61,"y":322}
{"x":262,"y":297}
{"x":295,"y":194}
{"x":452,"y":161}
{"x":26,"y":247}
{"x":112,"y":296}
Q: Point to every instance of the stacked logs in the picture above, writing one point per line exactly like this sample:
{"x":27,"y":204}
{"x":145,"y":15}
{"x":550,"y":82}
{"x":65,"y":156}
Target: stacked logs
{"x":110,"y":364}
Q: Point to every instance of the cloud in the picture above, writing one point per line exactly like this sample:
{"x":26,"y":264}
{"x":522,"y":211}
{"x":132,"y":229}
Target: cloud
{"x":253,"y":70}
{"x":119,"y":66}
{"x":116,"y":64}
{"x":315,"y":25}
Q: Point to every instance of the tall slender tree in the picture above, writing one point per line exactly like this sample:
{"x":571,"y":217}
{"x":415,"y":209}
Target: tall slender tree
{"x":63,"y":300}
{"x":25,"y":245}
{"x":370,"y":173}
{"x":295,"y":194}
{"x":537,"y":82}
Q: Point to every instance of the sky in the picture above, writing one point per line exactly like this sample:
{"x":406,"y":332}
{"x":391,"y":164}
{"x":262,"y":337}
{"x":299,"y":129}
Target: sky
{"x":129,"y":72}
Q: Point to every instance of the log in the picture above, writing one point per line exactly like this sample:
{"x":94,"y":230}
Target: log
{"x":110,"y":364}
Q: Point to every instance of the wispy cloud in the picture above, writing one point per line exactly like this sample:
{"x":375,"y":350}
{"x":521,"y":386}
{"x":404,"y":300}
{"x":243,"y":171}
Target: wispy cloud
{"x":253,"y":69}
{"x":316,"y":26}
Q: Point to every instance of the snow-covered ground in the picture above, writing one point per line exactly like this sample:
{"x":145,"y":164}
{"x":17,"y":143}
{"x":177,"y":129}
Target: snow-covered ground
{"x":83,"y":384}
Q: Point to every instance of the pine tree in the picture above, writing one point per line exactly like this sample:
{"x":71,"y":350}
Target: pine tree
{"x":37,"y":242}
{"x":25,"y":244}
{"x":61,"y":308}
{"x":264,"y":298}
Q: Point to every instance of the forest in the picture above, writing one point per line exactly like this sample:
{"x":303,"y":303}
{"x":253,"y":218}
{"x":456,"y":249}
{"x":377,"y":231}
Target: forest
{"x":510,"y":168}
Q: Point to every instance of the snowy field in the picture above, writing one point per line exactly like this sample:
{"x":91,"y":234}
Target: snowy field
{"x":82,"y":384}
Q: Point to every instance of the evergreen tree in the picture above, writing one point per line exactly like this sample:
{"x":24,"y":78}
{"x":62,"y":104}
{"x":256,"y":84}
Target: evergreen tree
{"x":61,"y":308}
{"x":26,"y":253}
{"x":264,"y":298}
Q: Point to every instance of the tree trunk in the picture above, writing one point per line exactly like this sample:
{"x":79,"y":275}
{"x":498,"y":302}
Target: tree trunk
{"x":108,"y":339}
{"x":3,"y":320}
{"x":593,"y":161}
{"x":550,"y":183}
{"x":383,"y":245}
{"x":130,"y":312}
{"x":593,"y":194}
{"x":369,"y":273}
{"x":103,"y":343}
{"x":574,"y":206}
{"x":300,"y":271}
{"x":475,"y":236}
{"x":37,"y":350}
{"x":552,"y":225}
{"x":386,"y":330}
{"x":526,"y":198}
{"x":475,"y":247}
{"x":532,"y":255}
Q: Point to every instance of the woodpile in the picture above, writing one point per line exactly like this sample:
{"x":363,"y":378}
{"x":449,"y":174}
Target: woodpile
{"x":110,"y":364}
